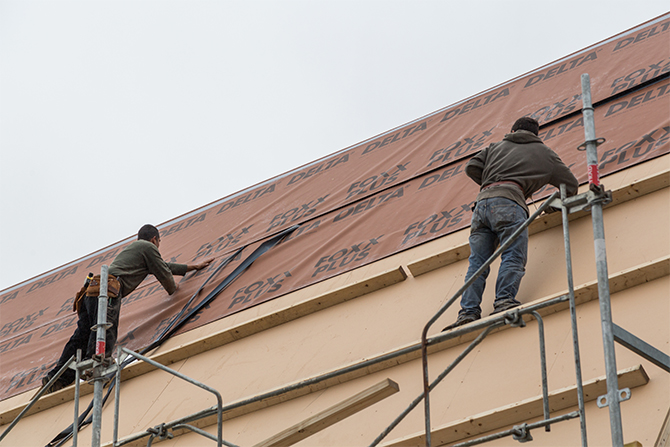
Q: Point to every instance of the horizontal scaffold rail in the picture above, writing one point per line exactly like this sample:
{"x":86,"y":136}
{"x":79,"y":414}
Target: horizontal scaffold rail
{"x":515,"y":413}
{"x":206,"y":417}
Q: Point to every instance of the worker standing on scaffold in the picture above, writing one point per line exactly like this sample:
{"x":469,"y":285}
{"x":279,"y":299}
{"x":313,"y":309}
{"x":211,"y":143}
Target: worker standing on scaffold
{"x":126,"y":273}
{"x":509,"y":172}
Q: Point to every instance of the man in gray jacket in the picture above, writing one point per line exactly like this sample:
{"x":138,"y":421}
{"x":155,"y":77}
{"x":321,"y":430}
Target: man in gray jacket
{"x":509,"y":172}
{"x":129,"y":268}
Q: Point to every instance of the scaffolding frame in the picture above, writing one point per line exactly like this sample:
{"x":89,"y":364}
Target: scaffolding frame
{"x":161,"y":431}
{"x":594,"y":199}
{"x":37,"y":396}
{"x":514,"y":318}
{"x":99,"y":367}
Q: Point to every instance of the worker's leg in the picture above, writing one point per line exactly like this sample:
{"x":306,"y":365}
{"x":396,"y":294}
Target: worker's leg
{"x":113,"y":309}
{"x":482,"y":245}
{"x":78,"y":340}
{"x":507,"y":217}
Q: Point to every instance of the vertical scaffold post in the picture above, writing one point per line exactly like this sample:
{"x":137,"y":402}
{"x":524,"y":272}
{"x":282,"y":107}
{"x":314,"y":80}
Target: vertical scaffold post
{"x":77,"y":376}
{"x":100,"y":348}
{"x":573,"y":318}
{"x":117,"y":396}
{"x":601,"y":266}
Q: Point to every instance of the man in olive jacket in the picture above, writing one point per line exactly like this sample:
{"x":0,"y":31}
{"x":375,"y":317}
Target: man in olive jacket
{"x":130,"y":268}
{"x":509,"y":172}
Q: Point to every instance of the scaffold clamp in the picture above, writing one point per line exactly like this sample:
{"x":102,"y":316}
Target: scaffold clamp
{"x":514,"y":319}
{"x":161,"y":431}
{"x":624,"y":394}
{"x":597,"y":142}
{"x":583,"y":201}
{"x":521,"y":433}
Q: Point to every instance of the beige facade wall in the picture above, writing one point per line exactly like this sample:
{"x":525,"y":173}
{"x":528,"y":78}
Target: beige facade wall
{"x":335,"y":324}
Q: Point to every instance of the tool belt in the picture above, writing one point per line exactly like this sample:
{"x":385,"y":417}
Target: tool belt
{"x":92,"y":289}
{"x":113,"y":286}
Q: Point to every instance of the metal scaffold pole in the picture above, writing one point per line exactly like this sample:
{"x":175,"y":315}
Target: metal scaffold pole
{"x":591,"y":144}
{"x":573,"y":318}
{"x":100,"y":348}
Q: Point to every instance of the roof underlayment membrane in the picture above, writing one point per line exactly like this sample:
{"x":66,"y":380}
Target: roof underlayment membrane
{"x":382,"y":196}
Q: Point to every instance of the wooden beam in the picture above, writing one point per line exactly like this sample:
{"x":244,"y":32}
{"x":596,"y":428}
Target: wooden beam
{"x":197,"y":346}
{"x":291,"y":312}
{"x":332,"y":415}
{"x":663,"y":439}
{"x":522,"y":411}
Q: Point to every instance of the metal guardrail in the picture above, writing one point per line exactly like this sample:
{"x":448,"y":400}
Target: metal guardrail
{"x":468,"y":283}
{"x":594,"y":198}
{"x":34,"y":400}
{"x":154,"y":432}
{"x":565,"y":211}
{"x":521,"y":432}
{"x":514,"y":318}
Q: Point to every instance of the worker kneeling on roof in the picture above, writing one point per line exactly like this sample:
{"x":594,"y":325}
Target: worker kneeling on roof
{"x":509,"y":172}
{"x":126,"y":273}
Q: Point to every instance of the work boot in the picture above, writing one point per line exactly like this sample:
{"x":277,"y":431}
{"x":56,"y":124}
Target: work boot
{"x":461,"y":320}
{"x":503,"y":305}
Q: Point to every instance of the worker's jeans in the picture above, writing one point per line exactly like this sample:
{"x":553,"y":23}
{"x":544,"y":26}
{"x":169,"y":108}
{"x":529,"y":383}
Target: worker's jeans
{"x":85,"y":339}
{"x":494,"y":220}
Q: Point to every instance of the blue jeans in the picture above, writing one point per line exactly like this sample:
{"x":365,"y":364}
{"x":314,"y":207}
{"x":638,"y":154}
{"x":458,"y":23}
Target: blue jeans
{"x":494,"y":220}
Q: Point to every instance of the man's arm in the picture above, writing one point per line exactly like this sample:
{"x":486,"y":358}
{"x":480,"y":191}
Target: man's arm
{"x":563,"y":175}
{"x":200,"y":266}
{"x":475,"y":167}
{"x":181,"y":269}
{"x":162,"y":270}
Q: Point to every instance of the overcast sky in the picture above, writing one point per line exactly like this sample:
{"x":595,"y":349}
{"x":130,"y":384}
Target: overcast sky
{"x":114,"y":114}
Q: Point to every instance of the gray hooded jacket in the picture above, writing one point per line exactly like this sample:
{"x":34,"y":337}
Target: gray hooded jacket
{"x":522,"y":158}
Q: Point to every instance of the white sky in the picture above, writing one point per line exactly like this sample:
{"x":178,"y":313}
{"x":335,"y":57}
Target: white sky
{"x":114,"y":114}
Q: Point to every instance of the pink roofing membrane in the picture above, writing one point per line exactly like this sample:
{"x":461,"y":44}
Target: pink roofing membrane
{"x":382,"y":196}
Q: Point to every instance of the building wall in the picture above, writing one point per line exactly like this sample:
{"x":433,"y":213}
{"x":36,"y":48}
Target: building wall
{"x":265,"y":348}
